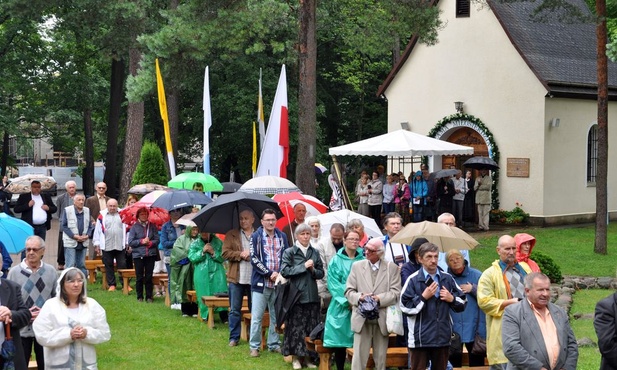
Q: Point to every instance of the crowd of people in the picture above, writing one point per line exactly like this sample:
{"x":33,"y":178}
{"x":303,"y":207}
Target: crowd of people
{"x":340,"y":276}
{"x":424,"y":195}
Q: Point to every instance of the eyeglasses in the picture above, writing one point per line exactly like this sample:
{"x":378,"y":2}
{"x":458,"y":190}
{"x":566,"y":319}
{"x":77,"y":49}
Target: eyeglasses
{"x":269,"y":220}
{"x":102,"y":188}
{"x":371,"y":250}
{"x":356,"y":240}
{"x":33,"y":249}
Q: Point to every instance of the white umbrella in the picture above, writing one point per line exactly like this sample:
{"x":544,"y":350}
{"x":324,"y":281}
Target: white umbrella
{"x":268,"y":185}
{"x":344,"y":216}
{"x":187,"y":220}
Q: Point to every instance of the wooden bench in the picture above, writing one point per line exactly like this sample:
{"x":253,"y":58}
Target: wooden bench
{"x":127,"y":274}
{"x":165,"y":283}
{"x":474,"y":368}
{"x":91,"y":266}
{"x":324,"y":353}
{"x":395,"y":357}
{"x":213,"y":302}
{"x":246,"y":328}
{"x":101,"y":268}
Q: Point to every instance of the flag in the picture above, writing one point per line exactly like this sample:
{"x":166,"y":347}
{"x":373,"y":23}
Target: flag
{"x":260,"y":116}
{"x":207,"y":123}
{"x":254,"y":167}
{"x":163,"y":108}
{"x":275,"y":152}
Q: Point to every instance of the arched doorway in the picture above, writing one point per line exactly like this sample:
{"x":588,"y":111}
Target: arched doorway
{"x":468,"y":137}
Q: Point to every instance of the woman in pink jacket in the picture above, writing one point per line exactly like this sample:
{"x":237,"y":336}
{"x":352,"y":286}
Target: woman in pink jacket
{"x":524,"y":246}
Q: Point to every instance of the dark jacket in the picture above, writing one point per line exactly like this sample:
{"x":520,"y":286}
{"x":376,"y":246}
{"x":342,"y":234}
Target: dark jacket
{"x":26,"y":211}
{"x":292,"y":268}
{"x":260,"y":270}
{"x":10,"y":296}
{"x":429,"y":320}
{"x":605,"y":323}
{"x":137,"y":233}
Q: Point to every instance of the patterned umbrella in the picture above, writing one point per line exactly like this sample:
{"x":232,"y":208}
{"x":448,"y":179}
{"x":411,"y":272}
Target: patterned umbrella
{"x":141,"y":189}
{"x":157,"y":216}
{"x":268,"y":185}
{"x":21,"y":184}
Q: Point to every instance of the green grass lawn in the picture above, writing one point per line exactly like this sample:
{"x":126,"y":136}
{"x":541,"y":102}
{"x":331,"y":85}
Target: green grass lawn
{"x":148,"y":336}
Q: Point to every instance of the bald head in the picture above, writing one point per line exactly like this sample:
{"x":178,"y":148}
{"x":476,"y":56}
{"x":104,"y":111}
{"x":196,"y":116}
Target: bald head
{"x":101,"y":188}
{"x":299,"y":212}
{"x":506,"y":248}
{"x":112,"y":206}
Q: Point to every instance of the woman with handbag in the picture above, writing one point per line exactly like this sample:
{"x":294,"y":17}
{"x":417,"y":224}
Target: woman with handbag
{"x":302,"y":266}
{"x":471,"y":323}
{"x":143,"y":243}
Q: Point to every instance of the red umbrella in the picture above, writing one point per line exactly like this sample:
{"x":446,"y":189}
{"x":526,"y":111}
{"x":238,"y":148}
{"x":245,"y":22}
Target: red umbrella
{"x":157,"y":216}
{"x":287,"y":202}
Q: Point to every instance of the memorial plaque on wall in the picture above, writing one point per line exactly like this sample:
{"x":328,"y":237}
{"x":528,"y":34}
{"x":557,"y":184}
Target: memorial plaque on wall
{"x":517,"y":167}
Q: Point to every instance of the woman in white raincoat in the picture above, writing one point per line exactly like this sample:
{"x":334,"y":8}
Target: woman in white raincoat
{"x":70,"y":324}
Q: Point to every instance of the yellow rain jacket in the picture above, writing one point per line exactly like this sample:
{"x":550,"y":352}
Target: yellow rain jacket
{"x":491,"y":293}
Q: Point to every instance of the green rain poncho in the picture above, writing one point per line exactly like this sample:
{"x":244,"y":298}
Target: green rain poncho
{"x":209,"y":275}
{"x":338,"y":332}
{"x":181,"y":269}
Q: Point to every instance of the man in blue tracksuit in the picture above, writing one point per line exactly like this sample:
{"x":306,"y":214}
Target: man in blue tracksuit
{"x":428,"y":296}
{"x":267,"y":246}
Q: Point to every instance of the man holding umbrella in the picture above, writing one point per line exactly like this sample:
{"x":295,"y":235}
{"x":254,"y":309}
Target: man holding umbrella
{"x":483,"y":187}
{"x":267,"y":246}
{"x":236,"y":250}
{"x":36,"y":209}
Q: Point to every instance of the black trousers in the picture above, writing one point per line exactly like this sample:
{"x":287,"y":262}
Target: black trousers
{"x":144,"y":267}
{"x":60,"y":258}
{"x":27,"y":343}
{"x":108,"y":260}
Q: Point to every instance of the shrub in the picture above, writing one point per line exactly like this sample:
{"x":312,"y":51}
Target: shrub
{"x":547,"y":266}
{"x":151,"y":166}
{"x":516,"y":216}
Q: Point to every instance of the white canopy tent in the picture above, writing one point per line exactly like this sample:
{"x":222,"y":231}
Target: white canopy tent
{"x":401,"y":143}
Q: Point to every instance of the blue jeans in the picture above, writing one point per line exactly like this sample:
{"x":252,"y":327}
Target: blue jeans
{"x":236,"y":293}
{"x":76,"y":258}
{"x":260,"y":302}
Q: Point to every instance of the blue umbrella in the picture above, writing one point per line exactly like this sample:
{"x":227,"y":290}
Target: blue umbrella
{"x":14,"y":232}
{"x":7,"y":351}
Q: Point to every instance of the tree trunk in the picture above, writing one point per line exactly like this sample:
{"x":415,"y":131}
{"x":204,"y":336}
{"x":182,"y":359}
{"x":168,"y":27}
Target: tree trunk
{"x":602,"y":170}
{"x":5,"y":153}
{"x":115,"y":105}
{"x":307,"y":98}
{"x":88,"y":174}
{"x":134,"y":132}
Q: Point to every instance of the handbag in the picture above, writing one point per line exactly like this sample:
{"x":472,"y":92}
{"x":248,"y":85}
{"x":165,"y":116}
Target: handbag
{"x":394,"y":316}
{"x":479,"y":345}
{"x":456,"y":346}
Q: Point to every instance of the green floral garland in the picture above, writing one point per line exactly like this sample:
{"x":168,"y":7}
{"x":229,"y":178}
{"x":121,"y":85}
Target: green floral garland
{"x":493,"y":148}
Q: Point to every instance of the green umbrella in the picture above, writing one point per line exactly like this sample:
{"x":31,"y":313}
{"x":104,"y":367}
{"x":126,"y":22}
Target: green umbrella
{"x":187,"y":179}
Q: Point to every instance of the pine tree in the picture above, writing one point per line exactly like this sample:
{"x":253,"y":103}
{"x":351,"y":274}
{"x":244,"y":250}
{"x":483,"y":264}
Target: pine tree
{"x":151,"y":166}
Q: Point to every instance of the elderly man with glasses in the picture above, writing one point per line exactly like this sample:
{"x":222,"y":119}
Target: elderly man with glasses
{"x":380,"y":280}
{"x":37,"y":280}
{"x":96,"y":204}
{"x":267,"y":246}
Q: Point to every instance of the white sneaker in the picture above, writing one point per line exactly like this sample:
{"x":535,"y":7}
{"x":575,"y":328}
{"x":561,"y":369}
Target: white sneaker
{"x":296,"y":364}
{"x":176,"y":306}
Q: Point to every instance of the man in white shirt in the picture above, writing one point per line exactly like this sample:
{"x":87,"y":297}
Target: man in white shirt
{"x":110,"y":238}
{"x":394,"y":252}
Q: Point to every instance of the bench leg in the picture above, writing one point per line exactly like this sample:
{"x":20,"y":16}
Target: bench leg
{"x":104,"y":285}
{"x":244,"y":331}
{"x":210,"y":317}
{"x":263,"y":337}
{"x":324,"y":361}
{"x":125,"y":286}
{"x":91,"y":276}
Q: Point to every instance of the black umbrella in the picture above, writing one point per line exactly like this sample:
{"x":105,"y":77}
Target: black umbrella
{"x":480,"y":163}
{"x":175,"y":199}
{"x":8,"y":349}
{"x":228,"y":188}
{"x":445,"y":173}
{"x":286,"y":295}
{"x":222,"y":214}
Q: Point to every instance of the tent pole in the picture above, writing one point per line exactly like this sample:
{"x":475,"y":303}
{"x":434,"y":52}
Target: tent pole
{"x":341,"y":183}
